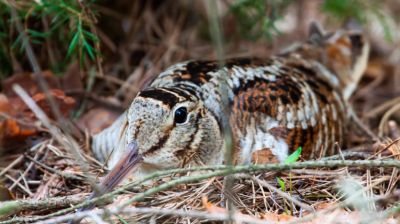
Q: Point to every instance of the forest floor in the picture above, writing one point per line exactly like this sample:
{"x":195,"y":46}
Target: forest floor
{"x":46,"y":158}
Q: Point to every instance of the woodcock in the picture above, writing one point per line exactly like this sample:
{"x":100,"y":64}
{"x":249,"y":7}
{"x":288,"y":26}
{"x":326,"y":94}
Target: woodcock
{"x":296,"y":98}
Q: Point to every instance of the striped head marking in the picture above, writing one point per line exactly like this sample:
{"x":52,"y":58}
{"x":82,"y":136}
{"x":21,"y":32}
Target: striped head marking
{"x":172,"y":127}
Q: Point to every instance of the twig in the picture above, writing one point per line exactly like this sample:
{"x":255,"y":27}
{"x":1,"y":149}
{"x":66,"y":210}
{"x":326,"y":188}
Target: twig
{"x":361,"y":125}
{"x":383,"y":107}
{"x":349,"y":201}
{"x":35,"y":65}
{"x":98,"y":100}
{"x":20,"y":185}
{"x":15,"y":162}
{"x":156,"y":211}
{"x":264,"y":167}
{"x":217,"y":37}
{"x":281,"y":193}
{"x":195,"y":214}
{"x":346,"y":154}
{"x":13,"y":207}
{"x":386,"y":117}
{"x":63,"y":174}
{"x":219,"y":170}
{"x":41,"y":146}
{"x":385,"y":148}
{"x":394,"y":131}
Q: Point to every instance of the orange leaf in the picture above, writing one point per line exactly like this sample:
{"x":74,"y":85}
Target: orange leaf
{"x":28,"y":81}
{"x":65,"y":103}
{"x":263,"y":156}
{"x":5,"y":105}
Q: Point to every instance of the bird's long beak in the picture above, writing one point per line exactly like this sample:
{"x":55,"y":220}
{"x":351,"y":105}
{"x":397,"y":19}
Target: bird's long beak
{"x":127,"y":163}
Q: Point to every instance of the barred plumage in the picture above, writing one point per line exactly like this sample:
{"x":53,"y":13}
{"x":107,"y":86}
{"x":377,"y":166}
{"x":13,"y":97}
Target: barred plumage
{"x":298,"y":98}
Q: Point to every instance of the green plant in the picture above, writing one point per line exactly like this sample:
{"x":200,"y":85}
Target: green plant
{"x":256,"y":18}
{"x":60,"y":31}
{"x":292,"y":158}
{"x":362,"y":11}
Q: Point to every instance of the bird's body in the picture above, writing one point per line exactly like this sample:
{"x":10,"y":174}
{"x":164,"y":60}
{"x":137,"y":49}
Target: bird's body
{"x":273,"y":106}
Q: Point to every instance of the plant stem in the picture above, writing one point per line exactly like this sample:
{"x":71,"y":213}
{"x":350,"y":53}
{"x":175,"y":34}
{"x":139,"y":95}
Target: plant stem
{"x":219,"y":170}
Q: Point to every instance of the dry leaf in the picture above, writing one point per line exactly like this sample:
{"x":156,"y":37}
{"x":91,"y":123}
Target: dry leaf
{"x":97,"y":119}
{"x":263,"y":156}
{"x":12,"y":132}
{"x":273,"y":217}
{"x":5,"y":193}
{"x":218,"y":210}
{"x":64,"y":103}
{"x":28,"y":82}
{"x":5,"y":106}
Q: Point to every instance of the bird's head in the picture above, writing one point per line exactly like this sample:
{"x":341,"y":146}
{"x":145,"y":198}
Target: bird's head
{"x":172,"y":127}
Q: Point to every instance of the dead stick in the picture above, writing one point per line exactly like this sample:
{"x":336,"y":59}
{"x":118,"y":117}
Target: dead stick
{"x":13,"y":207}
{"x":219,"y":170}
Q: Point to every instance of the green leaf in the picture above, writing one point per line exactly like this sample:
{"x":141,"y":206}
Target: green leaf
{"x":37,"y":34}
{"x":73,"y":44}
{"x":345,"y":9}
{"x":294,"y":156}
{"x":90,"y":35}
{"x":89,"y":49}
{"x":122,"y":220}
{"x":281,"y":183}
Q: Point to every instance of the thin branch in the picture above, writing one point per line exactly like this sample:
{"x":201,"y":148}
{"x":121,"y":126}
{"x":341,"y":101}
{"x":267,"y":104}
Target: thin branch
{"x":17,"y":183}
{"x":16,"y":206}
{"x":14,"y":163}
{"x":63,"y":174}
{"x":39,"y":147}
{"x":219,"y":170}
{"x":281,"y":193}
{"x":385,"y":118}
{"x":156,"y":211}
{"x":347,"y":154}
{"x":217,"y":37}
{"x":35,"y":65}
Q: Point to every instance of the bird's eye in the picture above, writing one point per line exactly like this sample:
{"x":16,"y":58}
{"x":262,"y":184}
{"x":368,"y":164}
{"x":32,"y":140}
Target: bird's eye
{"x":180,"y":115}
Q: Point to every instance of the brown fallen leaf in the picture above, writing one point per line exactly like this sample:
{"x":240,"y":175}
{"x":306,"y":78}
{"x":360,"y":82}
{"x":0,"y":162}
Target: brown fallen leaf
{"x":11,"y":129}
{"x":263,"y":156}
{"x":5,"y":105}
{"x":243,"y":217}
{"x":97,"y":119}
{"x":12,"y":133}
{"x":6,"y":194}
{"x":333,"y":217}
{"x":64,"y":103}
{"x":28,"y":82}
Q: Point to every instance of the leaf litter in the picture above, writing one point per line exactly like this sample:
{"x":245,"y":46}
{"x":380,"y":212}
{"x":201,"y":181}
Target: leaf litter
{"x":48,"y":170}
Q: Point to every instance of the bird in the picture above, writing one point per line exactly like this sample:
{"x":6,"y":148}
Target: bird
{"x":297,"y":98}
